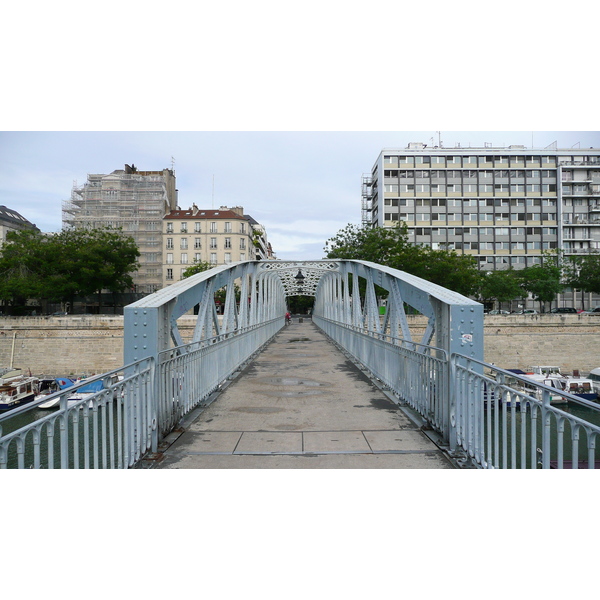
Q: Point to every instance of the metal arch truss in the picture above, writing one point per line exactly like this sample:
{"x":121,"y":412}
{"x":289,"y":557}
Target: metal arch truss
{"x":346,"y":308}
{"x":454,"y":322}
{"x":252,"y":296}
{"x":300,"y":278}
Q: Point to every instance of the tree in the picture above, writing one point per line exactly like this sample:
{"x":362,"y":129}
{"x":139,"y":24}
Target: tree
{"x":379,"y":245}
{"x":72,"y":262}
{"x":22,"y":266}
{"x":197,"y":267}
{"x":390,"y":247}
{"x":502,"y":286}
{"x":583,"y":273}
{"x":543,"y":282}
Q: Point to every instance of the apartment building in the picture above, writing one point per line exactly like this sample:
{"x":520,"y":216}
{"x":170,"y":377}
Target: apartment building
{"x":504,"y":206}
{"x":134,"y":201}
{"x":11,"y":220}
{"x":218,"y":237}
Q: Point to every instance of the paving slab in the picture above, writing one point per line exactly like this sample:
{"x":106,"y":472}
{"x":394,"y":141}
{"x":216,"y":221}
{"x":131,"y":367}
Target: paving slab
{"x":302,"y":404}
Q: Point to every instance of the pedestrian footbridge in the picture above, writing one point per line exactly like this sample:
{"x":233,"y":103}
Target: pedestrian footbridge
{"x":476,"y":414}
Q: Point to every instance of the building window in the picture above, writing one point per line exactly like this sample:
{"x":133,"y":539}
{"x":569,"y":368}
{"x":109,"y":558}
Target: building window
{"x":213,"y":227}
{"x":213,"y":242}
{"x":184,"y":258}
{"x":169,"y":227}
{"x":242,"y":256}
{"x":227,"y":242}
{"x":169,"y":273}
{"x":183,"y":244}
{"x":197,"y":257}
{"x":198,"y":227}
{"x":184,"y":228}
{"x":242,"y":243}
{"x":197,"y":242}
{"x":227,"y":258}
{"x":227,"y":227}
{"x":213,"y":258}
{"x":170,"y":258}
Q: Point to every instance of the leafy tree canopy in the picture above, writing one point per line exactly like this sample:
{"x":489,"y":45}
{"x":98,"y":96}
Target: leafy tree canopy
{"x":390,"y":247}
{"x":502,"y":286}
{"x":197,"y":267}
{"x":56,"y":267}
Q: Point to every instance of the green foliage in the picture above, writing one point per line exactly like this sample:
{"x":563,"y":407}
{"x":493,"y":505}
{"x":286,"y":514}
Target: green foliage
{"x":390,"y":247}
{"x":583,"y":273}
{"x":543,"y":282}
{"x":502,"y":286}
{"x":197,"y":267}
{"x":72,"y":262}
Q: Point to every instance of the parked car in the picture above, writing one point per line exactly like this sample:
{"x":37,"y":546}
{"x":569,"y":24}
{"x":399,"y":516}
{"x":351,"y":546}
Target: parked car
{"x":498,"y":312}
{"x":527,"y":311}
{"x":564,"y":310}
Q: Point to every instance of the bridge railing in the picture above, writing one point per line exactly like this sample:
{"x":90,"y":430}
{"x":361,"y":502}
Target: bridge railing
{"x":189,"y":374}
{"x":108,"y":429}
{"x":505,"y":420}
{"x":407,"y":369}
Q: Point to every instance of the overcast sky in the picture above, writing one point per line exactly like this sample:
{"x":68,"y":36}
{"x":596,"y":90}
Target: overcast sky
{"x":284,"y":106}
{"x":302,"y":186}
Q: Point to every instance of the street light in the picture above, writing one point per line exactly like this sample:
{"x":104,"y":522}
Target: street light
{"x":299,"y":280}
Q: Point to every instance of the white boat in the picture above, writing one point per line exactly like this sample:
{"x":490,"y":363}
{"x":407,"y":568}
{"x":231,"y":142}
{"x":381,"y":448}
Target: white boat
{"x":573,"y":384}
{"x":85,"y":391}
{"x":16,"y":389}
{"x":594,"y":377}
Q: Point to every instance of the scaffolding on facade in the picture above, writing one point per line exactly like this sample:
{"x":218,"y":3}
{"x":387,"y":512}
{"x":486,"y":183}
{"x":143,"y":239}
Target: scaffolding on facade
{"x":131,"y":200}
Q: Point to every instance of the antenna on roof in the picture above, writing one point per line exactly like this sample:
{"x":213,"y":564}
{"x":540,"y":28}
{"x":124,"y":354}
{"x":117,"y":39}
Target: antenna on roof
{"x":172,"y":163}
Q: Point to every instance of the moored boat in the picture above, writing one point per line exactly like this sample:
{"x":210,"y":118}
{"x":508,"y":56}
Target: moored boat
{"x":573,"y":384}
{"x":16,"y":388}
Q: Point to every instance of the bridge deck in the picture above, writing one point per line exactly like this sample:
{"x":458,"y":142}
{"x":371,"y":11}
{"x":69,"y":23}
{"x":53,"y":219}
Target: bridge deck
{"x":300,"y":404}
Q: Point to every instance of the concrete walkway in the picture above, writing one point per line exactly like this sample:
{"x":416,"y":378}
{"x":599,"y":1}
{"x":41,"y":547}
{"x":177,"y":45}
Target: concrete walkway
{"x":301,"y":405}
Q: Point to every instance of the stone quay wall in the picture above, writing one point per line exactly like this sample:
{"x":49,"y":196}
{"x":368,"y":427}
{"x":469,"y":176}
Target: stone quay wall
{"x":87,"y":344}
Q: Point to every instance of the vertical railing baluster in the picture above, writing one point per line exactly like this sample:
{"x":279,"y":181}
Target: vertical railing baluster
{"x":575,"y":446}
{"x":76,"y":441}
{"x":560,"y":430}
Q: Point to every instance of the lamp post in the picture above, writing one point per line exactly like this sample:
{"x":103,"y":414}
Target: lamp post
{"x":299,"y":280}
